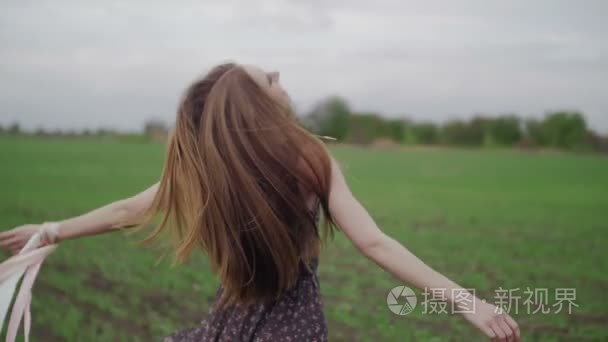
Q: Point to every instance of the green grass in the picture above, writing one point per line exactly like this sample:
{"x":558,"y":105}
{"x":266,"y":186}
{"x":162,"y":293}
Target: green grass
{"x":485,"y":218}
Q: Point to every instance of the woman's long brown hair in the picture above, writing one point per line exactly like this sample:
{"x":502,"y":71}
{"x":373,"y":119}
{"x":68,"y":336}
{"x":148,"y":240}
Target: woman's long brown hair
{"x":238,"y":172}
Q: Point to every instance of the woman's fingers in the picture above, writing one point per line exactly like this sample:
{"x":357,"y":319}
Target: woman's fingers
{"x":7,"y":243}
{"x":13,"y":244}
{"x":16,"y":238}
{"x":511,"y":322}
{"x":16,"y":244}
{"x":10,"y":241}
{"x":15,"y":247}
{"x":505,"y":328}
{"x":488,"y":331}
{"x":510,"y":334}
{"x":501,"y":336}
{"x":7,"y":234}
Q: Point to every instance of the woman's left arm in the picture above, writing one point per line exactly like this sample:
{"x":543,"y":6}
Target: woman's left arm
{"x":101,"y":220}
{"x":361,"y":229}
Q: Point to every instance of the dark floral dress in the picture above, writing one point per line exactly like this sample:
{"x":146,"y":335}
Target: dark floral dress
{"x":296,"y":316}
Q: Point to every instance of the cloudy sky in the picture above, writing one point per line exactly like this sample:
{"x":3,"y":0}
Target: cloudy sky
{"x":76,"y":64}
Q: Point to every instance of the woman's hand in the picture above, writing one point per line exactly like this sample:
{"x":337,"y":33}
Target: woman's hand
{"x":13,"y":240}
{"x":499,"y":326}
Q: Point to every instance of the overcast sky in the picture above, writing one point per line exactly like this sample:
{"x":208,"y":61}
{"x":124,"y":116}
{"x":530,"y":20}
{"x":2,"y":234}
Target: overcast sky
{"x":115,"y":64}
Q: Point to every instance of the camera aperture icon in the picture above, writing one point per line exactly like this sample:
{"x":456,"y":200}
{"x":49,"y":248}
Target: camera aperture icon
{"x":401,"y":300}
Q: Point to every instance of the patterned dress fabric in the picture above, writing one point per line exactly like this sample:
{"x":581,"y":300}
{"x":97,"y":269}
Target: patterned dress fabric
{"x":295,"y":316}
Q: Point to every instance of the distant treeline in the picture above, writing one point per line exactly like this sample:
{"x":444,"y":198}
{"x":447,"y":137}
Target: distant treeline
{"x":562,"y":129}
{"x":333,"y":117}
{"x":154,"y":130}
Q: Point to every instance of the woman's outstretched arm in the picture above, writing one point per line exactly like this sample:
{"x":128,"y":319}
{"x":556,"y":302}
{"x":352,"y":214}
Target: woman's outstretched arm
{"x":393,"y":257}
{"x":101,"y":220}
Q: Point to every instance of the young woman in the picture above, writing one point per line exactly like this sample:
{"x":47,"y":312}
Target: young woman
{"x":244,"y":182}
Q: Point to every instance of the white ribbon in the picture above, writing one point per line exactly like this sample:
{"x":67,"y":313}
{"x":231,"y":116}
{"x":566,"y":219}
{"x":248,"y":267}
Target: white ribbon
{"x":26,"y":263}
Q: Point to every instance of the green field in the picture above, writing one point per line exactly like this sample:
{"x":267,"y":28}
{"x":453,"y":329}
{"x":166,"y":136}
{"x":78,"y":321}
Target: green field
{"x":485,"y":218}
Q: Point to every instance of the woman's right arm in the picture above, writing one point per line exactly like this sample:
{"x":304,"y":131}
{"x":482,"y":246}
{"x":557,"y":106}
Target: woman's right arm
{"x":393,"y":257}
{"x":101,"y":220}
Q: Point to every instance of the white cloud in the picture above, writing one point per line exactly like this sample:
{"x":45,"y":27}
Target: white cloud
{"x":77,"y":64}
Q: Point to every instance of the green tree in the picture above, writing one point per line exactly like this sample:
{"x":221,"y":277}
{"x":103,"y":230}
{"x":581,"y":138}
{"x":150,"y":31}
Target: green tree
{"x":14,"y":129}
{"x":395,"y":129}
{"x":425,"y":133}
{"x":505,"y":130}
{"x":365,"y":128}
{"x":564,"y":129}
{"x":459,"y":132}
{"x":330,"y":117}
{"x":534,"y":132}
